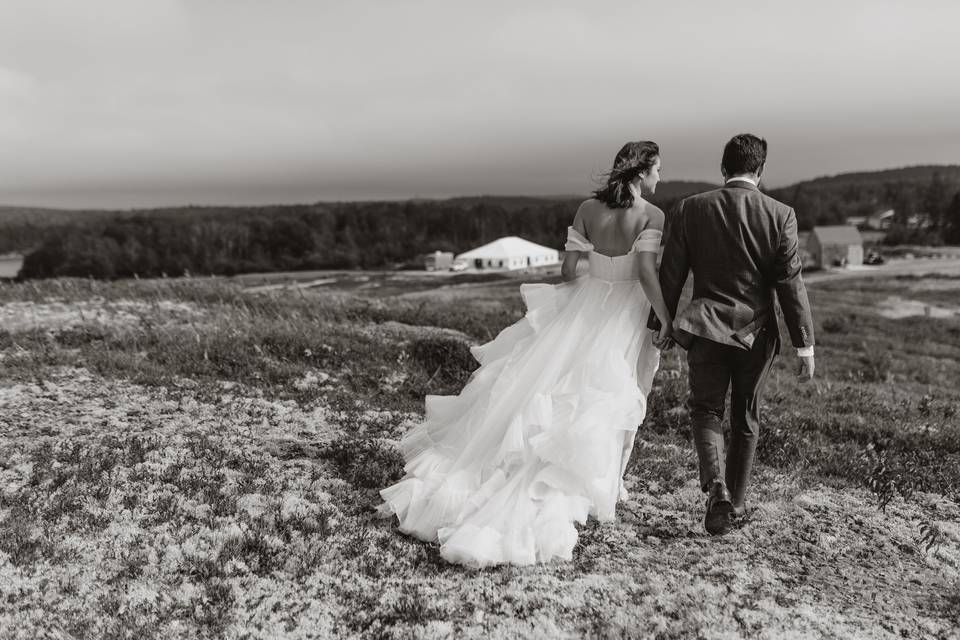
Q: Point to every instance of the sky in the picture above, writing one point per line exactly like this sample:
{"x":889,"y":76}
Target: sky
{"x":139,"y":103}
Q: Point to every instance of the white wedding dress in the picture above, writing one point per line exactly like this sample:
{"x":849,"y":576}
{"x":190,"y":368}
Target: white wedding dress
{"x":540,"y":435}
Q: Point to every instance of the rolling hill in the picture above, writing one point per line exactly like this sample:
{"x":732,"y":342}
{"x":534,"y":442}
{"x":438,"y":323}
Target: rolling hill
{"x":831,"y":199}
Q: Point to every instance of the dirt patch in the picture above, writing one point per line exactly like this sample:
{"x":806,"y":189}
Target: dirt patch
{"x":897,"y":307}
{"x":73,"y":402}
{"x":59,"y":315}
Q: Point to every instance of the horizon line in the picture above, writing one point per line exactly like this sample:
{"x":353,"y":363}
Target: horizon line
{"x":415,"y":197}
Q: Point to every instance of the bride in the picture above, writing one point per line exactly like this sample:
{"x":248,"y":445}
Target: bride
{"x":540,"y":436}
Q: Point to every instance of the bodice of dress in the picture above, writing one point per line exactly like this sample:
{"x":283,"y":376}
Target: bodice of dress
{"x":615,"y":268}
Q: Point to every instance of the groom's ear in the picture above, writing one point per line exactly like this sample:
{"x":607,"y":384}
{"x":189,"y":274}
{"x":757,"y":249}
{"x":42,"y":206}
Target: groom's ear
{"x":760,"y":170}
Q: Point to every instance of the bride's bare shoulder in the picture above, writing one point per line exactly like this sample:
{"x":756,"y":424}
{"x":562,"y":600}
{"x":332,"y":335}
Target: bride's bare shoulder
{"x":655,"y":217}
{"x":585,"y":211}
{"x":648,"y":215}
{"x":587,"y":207}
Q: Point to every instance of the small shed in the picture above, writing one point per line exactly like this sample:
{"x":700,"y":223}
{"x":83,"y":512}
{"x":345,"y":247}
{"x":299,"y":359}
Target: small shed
{"x":857,"y":221}
{"x":507,"y":254}
{"x":881,"y":220}
{"x":836,"y":246}
{"x":438,"y":261}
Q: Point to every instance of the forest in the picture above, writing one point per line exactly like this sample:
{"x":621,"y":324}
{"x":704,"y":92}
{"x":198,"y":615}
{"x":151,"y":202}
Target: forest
{"x":371,"y":235}
{"x":930,"y":190}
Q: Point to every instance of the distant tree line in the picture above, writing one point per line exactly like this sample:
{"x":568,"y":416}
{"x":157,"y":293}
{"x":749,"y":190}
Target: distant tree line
{"x":24,"y":228}
{"x":347,"y":235}
{"x":282,"y":238}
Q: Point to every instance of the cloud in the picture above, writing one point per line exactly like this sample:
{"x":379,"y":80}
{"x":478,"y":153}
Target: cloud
{"x":431,"y":97}
{"x":14,"y":84}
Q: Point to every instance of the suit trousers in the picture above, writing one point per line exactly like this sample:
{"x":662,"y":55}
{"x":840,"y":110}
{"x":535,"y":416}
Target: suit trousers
{"x":714,"y":368}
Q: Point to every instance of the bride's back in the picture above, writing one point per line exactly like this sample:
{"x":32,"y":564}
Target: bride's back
{"x":612,"y":231}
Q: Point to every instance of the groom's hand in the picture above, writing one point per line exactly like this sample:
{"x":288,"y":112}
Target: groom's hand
{"x":807,"y":367}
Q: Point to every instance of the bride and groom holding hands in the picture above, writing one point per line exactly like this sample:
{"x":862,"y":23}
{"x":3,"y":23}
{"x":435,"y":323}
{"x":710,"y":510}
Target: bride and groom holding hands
{"x":540,"y":436}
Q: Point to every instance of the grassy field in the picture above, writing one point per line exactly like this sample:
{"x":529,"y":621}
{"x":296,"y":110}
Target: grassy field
{"x":187,"y":459}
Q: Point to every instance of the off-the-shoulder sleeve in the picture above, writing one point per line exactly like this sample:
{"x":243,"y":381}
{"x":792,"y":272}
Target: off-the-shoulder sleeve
{"x":576,"y":241}
{"x":648,"y":241}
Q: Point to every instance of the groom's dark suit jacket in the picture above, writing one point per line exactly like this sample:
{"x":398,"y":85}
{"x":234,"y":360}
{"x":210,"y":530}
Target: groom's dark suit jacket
{"x":741,"y":246}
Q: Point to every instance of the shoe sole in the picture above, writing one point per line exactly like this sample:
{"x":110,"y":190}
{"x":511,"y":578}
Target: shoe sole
{"x":717,"y":521}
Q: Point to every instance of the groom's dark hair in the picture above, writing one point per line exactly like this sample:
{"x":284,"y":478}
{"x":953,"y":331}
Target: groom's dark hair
{"x":745,"y":153}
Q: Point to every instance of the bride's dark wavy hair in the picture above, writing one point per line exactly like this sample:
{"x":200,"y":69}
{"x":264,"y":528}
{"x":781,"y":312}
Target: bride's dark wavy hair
{"x":632,"y":160}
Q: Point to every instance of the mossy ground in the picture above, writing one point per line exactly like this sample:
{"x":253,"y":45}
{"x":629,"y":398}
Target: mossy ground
{"x":185,"y":459}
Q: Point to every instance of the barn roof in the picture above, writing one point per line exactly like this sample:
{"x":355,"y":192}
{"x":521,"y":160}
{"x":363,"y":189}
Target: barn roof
{"x":838,"y":234}
{"x":508,"y":247}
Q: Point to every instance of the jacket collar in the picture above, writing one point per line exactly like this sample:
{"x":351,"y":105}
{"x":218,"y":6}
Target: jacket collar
{"x":740,"y":183}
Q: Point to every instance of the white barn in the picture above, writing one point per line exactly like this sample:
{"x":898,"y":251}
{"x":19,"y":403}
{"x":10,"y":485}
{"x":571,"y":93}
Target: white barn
{"x":834,"y":245}
{"x":507,"y":254}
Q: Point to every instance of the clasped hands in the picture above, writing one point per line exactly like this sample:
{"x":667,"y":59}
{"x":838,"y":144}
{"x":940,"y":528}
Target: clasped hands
{"x":663,"y":338}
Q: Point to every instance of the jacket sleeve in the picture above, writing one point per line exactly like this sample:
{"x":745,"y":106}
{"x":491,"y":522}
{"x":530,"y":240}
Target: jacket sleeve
{"x":675,"y":264}
{"x":791,"y":292}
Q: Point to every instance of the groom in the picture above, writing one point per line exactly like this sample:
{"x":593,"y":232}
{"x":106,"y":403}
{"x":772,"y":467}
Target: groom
{"x":741,"y":246}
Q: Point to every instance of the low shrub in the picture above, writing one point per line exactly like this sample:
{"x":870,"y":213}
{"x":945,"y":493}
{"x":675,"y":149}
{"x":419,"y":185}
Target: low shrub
{"x":876,"y":364}
{"x":444,"y":358}
{"x":365,"y":462}
{"x":836,"y":324}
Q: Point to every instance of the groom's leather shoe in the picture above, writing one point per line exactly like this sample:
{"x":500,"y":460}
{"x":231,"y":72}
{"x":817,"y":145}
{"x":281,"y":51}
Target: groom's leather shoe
{"x":719,"y":509}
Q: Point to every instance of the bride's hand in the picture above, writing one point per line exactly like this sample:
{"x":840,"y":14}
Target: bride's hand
{"x":663,"y":338}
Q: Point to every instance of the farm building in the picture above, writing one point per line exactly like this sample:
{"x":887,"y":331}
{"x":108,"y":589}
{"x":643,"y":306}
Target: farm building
{"x":507,"y":254}
{"x":920,"y":221}
{"x":881,"y":220}
{"x":438,"y":261}
{"x":838,"y":245}
{"x":857,"y":221}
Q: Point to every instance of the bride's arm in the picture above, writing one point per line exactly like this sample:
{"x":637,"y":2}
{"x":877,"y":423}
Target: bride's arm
{"x":571,"y":258}
{"x":568,"y":270}
{"x":650,"y":281}
{"x":649,"y":277}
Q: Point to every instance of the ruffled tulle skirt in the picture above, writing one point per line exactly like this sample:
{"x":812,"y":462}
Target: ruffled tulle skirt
{"x":538,"y":438}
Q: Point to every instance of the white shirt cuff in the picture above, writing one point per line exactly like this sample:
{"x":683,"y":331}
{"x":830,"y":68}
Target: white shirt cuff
{"x":805,"y":352}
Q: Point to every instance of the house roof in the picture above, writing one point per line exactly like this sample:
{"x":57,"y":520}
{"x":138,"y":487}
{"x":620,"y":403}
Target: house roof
{"x":839,"y":234}
{"x":508,"y":247}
